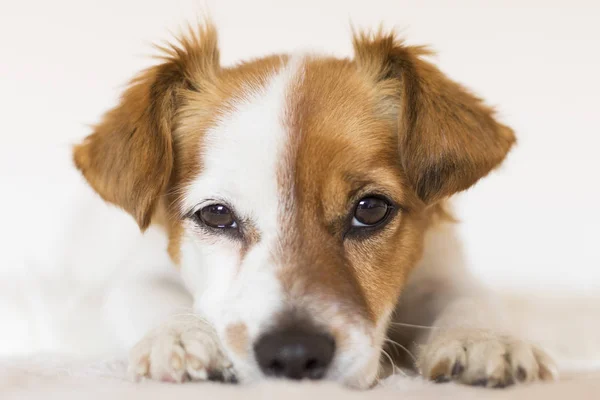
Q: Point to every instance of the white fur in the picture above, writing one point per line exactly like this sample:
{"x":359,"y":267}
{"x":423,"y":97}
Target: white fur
{"x":240,"y":158}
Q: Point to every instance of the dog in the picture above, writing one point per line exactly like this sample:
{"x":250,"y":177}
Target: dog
{"x":305,"y":201}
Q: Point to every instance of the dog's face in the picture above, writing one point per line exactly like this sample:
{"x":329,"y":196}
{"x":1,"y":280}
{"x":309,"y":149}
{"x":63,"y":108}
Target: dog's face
{"x":295,"y":190}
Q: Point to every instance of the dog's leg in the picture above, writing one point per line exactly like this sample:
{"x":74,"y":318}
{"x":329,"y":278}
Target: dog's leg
{"x":458,"y":330}
{"x":186,"y":348}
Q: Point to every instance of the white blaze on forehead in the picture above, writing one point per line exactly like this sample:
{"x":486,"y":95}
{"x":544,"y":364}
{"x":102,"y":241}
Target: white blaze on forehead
{"x":240,"y":157}
{"x":241,"y":154}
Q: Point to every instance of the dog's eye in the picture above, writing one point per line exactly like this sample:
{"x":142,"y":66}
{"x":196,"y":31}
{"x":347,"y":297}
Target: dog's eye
{"x":371,"y":211}
{"x":217,"y":216}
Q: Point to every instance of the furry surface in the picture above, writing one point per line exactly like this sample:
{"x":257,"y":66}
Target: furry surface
{"x":61,"y":377}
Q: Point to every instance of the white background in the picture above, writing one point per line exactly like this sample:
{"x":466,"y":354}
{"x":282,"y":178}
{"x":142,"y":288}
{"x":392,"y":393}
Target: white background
{"x":532,"y":224}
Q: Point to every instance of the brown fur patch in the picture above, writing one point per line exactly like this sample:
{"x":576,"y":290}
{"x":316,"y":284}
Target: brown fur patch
{"x":345,"y":146}
{"x":129,"y":157}
{"x":306,"y":267}
{"x":238,"y":339}
{"x":448,"y":137}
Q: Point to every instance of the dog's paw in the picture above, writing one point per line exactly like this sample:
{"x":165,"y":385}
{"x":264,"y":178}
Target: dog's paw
{"x":180,"y":352}
{"x":480,"y":358}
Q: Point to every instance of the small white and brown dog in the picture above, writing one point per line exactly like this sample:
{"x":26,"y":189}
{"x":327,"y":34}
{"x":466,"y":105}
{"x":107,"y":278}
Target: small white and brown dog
{"x":303,"y":199}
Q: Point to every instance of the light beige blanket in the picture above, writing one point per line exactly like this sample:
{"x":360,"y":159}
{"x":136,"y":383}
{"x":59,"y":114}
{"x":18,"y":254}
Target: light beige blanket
{"x":62,"y":378}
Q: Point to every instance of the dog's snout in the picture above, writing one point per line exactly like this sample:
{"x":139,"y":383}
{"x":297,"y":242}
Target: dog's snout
{"x":295,"y":355}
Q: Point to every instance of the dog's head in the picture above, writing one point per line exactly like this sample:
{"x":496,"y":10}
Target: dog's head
{"x":295,"y":190}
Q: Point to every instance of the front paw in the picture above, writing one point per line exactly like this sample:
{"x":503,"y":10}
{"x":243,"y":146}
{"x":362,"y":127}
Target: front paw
{"x":181,"y":351}
{"x":481,"y":358}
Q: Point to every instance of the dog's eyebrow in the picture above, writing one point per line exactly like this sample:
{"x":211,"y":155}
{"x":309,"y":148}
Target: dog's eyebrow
{"x":382,"y":182}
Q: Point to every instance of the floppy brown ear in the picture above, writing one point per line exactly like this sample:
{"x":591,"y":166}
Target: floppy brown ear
{"x":448,"y":138}
{"x":128,"y":159}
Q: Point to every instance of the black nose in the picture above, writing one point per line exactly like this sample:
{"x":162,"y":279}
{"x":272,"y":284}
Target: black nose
{"x":295,"y":355}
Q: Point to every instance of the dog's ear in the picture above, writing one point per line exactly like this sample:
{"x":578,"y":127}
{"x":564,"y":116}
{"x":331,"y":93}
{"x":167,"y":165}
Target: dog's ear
{"x":448,"y":138}
{"x":128,"y":159}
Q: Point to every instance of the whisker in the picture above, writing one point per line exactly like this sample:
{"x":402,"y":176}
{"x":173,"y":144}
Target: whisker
{"x":392,"y":362}
{"x":395,"y":349}
{"x":402,"y":324}
{"x":412,"y":356}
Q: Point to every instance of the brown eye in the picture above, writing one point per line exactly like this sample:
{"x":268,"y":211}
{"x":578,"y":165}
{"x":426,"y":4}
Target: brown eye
{"x":370,"y":211}
{"x":217,"y":216}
